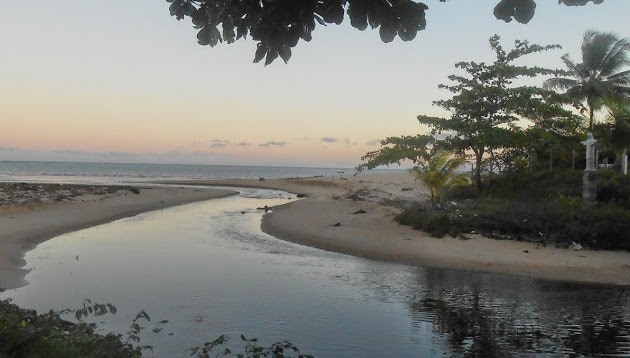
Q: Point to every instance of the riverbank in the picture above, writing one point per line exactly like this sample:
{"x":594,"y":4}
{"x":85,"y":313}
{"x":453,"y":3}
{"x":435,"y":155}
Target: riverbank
{"x":31,"y":214}
{"x":344,"y":213}
{"x":331,"y":218}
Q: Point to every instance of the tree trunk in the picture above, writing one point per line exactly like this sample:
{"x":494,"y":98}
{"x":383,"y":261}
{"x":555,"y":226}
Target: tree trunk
{"x":478,"y":157}
{"x":590,"y":116}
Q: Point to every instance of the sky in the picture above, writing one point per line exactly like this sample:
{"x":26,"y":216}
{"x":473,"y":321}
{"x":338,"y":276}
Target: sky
{"x":122,"y":81}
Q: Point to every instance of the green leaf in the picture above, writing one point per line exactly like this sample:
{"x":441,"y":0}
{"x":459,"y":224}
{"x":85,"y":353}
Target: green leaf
{"x":228,"y":32}
{"x":261,"y":51}
{"x":272,"y":54}
{"x":188,"y":9}
{"x":387,"y":33}
{"x":521,"y":10}
{"x":285,"y":53}
{"x":209,"y":35}
{"x":525,"y":11}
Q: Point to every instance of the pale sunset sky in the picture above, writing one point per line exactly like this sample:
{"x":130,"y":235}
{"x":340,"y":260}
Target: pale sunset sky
{"x":123,"y":81}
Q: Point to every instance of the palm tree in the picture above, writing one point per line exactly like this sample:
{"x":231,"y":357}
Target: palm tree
{"x":438,"y":173}
{"x":604,"y":56}
{"x":616,"y":129}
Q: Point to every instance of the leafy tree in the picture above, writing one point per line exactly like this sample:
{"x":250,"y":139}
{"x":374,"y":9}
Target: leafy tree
{"x":394,"y":150}
{"x":485,"y":103}
{"x":601,"y":73}
{"x":485,"y":106}
{"x":438,"y":173}
{"x":278,"y":25}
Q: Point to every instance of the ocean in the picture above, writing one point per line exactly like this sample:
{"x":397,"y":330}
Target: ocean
{"x":120,"y":173}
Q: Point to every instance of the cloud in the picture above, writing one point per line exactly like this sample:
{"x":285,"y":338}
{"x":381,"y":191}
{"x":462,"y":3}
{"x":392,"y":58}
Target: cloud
{"x":344,"y":140}
{"x":219,"y":143}
{"x":373,"y":142}
{"x":273,"y":144}
{"x":308,"y":138}
{"x":244,"y":144}
{"x":7,"y":149}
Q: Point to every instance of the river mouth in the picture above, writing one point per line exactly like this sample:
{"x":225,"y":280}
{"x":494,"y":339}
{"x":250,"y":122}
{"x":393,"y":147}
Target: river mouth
{"x":209,"y":270}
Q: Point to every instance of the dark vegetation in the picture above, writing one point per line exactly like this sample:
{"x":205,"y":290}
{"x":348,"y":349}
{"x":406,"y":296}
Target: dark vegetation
{"x":543,"y":208}
{"x":24,"y":333}
{"x":42,"y":193}
{"x":278,"y":25}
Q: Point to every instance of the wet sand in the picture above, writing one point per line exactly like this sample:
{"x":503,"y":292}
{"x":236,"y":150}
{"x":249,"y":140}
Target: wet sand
{"x":48,"y":210}
{"x":325,"y":218}
{"x":375,"y":235}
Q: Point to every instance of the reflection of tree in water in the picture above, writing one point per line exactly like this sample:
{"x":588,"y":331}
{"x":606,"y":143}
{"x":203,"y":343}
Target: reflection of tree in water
{"x":471,"y":331}
{"x":482,"y":318}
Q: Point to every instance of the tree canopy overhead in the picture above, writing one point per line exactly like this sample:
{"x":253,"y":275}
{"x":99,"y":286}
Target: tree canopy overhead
{"x":278,"y":25}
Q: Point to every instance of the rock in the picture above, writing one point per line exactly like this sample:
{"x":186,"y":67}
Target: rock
{"x":261,"y":179}
{"x":301,"y":196}
{"x":336,"y":224}
{"x":361,"y":211}
{"x":575,"y":246}
{"x":406,"y":189}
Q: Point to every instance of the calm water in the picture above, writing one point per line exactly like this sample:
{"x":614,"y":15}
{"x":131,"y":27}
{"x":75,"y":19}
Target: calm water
{"x":108,"y":173}
{"x":208,"y":269}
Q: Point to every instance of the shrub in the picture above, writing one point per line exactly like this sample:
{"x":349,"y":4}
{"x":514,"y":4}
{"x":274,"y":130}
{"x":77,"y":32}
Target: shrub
{"x":612,"y":187}
{"x":560,"y":221}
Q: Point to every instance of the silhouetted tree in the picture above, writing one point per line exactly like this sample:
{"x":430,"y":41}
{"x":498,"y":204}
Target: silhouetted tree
{"x":278,"y":25}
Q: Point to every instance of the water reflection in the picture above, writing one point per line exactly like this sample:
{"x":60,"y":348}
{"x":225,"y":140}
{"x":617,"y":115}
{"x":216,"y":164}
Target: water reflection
{"x":501,"y":316}
{"x":209,"y":270}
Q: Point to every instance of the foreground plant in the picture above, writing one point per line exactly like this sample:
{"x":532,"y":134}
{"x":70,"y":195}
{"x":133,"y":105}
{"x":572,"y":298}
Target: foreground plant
{"x":24,"y":333}
{"x":439,"y":174}
{"x":280,"y":349}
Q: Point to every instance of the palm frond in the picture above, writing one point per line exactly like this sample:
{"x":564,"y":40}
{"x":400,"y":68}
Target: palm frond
{"x":616,"y":58}
{"x":570,"y":64}
{"x":560,"y":83}
{"x":620,"y":77}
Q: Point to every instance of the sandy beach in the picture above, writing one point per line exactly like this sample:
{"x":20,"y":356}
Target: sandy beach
{"x":375,"y":235}
{"x":326,"y":218}
{"x":33,"y":213}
